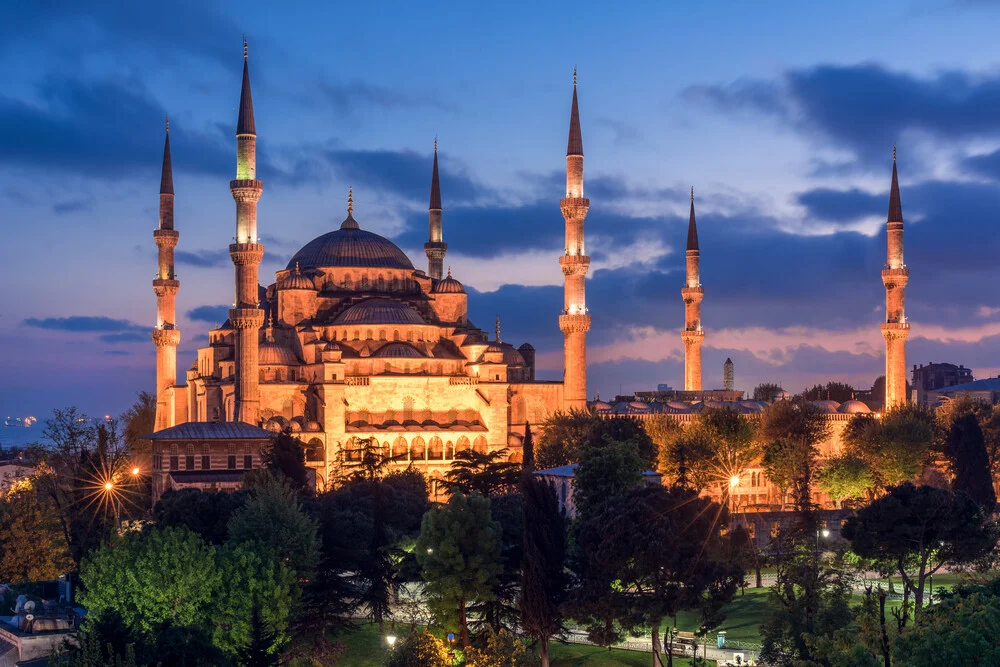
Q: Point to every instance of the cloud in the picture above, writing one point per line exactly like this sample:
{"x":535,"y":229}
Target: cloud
{"x":203,"y":259}
{"x":84,"y":324}
{"x":866,"y":107}
{"x":73,"y":206}
{"x":210,"y":314}
{"x":345,"y":98}
{"x":130,"y":337}
{"x":841,"y":205}
{"x":117,"y":353}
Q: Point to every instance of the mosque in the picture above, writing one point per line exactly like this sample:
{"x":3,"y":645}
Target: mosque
{"x":351,"y":342}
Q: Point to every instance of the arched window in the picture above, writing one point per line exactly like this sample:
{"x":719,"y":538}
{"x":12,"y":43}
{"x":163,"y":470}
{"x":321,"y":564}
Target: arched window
{"x":347,"y":283}
{"x":395,"y":334}
{"x":364,"y":282}
{"x":189,"y":457}
{"x":449,"y":450}
{"x":398,"y":451}
{"x":381,"y":334}
{"x":462,"y":445}
{"x":368,"y":335}
{"x":260,"y":377}
{"x":380,"y":283}
{"x":435,"y":452}
{"x":418,"y":451}
{"x":206,"y":457}
{"x":315,"y":451}
{"x":277,"y":375}
{"x":356,"y":335}
{"x":409,"y":336}
{"x":175,"y":459}
{"x":479,"y":445}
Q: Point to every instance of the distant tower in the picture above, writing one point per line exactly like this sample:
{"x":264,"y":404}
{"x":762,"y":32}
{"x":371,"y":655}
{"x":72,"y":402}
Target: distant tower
{"x":166,"y":336}
{"x":246,"y":254}
{"x":574,"y":321}
{"x":435,"y":247}
{"x":692,"y":293}
{"x":729,"y":375}
{"x":895,"y":275}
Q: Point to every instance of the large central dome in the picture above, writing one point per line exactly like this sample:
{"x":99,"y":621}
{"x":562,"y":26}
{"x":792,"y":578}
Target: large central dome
{"x":353,"y":247}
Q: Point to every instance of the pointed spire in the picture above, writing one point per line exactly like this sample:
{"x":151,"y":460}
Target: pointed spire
{"x":435,"y":182}
{"x":692,"y":227}
{"x":244,"y":123}
{"x":575,"y":145}
{"x":167,"y":176}
{"x":449,"y":271}
{"x":349,"y":222}
{"x":498,"y":328}
{"x":895,"y":207}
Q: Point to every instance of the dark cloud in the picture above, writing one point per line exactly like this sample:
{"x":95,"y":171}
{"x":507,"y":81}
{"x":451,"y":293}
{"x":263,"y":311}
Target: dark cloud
{"x":73,"y":206}
{"x":203,"y":259}
{"x":987,"y":165}
{"x":130,"y":337}
{"x":346,"y":98}
{"x":867,"y":107}
{"x":84,"y":324}
{"x":841,"y":205}
{"x":623,"y":134}
{"x":209,"y":314}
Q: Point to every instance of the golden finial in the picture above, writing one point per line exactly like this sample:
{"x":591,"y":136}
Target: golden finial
{"x":894,"y":152}
{"x":692,"y":193}
{"x":167,"y":117}
{"x":350,"y":199}
{"x":296,"y":267}
{"x":574,"y":76}
{"x":449,"y":271}
{"x":435,"y":144}
{"x":244,"y":47}
{"x":498,"y":327}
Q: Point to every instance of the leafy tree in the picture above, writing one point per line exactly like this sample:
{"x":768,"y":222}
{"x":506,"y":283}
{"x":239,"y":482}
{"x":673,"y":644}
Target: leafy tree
{"x":499,"y":611}
{"x":287,"y":456}
{"x":150,"y":578}
{"x":420,"y":649}
{"x":500,"y":649}
{"x":962,"y":629}
{"x":566,"y":436}
{"x":629,"y":582}
{"x":259,"y":610}
{"x":919,"y":530}
{"x":273,"y":520}
{"x":605,"y":473}
{"x":765,"y":391}
{"x":140,"y":421}
{"x":718,"y":447}
{"x":543,"y":579}
{"x":790,"y":432}
{"x":32,"y":544}
{"x":896,"y":447}
{"x":877,"y":391}
{"x":528,"y":450}
{"x":966,"y":449}
{"x":261,"y":651}
{"x":489,"y":474}
{"x":831,"y":391}
{"x":846,"y":478}
{"x":459,"y":551}
{"x":100,"y":642}
{"x":204,"y":513}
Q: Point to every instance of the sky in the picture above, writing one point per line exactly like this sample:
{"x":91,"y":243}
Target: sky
{"x":782,"y":116}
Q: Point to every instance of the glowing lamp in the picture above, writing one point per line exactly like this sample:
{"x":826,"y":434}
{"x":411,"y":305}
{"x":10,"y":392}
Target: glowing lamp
{"x":826,"y":533}
{"x":391,"y":640}
{"x":108,"y":486}
{"x":734,"y":481}
{"x":135,"y":470}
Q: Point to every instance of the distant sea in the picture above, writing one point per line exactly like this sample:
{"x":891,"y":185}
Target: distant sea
{"x":16,"y":436}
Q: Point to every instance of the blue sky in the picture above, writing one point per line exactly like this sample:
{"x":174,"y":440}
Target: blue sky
{"x":782,"y":115}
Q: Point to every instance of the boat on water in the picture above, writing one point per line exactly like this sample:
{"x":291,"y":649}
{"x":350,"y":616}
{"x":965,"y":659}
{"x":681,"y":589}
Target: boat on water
{"x":20,"y":422}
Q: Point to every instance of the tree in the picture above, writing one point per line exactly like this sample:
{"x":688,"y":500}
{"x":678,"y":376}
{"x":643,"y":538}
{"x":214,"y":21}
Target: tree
{"x":966,"y":449}
{"x":459,"y":551}
{"x":962,"y":629}
{"x":719,"y":447}
{"x":765,"y":391}
{"x":273,"y":520}
{"x":543,"y":577}
{"x":420,"y":649}
{"x":140,"y":421}
{"x":917,"y":531}
{"x":488,"y":474}
{"x":790,"y":432}
{"x":831,"y":391}
{"x":253,"y":621}
{"x":150,"y":578}
{"x":630,"y":582}
{"x":499,"y":612}
{"x":500,"y":649}
{"x":896,"y":448}
{"x":261,"y":650}
{"x":603,"y":474}
{"x":100,"y":642}
{"x":287,"y":456}
{"x":566,"y":436}
{"x":528,"y":450}
{"x":33,"y":546}
{"x":846,"y":478}
{"x":203,"y":512}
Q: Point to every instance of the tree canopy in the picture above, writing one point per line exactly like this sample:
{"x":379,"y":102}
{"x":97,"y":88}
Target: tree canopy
{"x":568,"y":435}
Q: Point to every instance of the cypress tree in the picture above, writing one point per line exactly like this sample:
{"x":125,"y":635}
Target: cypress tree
{"x":970,"y":463}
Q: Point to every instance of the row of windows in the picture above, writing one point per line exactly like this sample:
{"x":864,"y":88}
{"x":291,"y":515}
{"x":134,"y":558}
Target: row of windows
{"x":383,"y":335}
{"x":380,"y":283}
{"x":174,"y":461}
{"x":420,"y":450}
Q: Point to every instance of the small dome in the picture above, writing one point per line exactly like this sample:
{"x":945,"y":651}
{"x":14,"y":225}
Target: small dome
{"x":527,"y":347}
{"x":494,"y":346}
{"x":333,"y":346}
{"x":678,"y":405}
{"x":511,"y":356}
{"x":714,"y":405}
{"x":379,"y":311}
{"x":600,"y":406}
{"x":448,"y":286}
{"x":313,"y":426}
{"x":781,"y":395}
{"x":827,"y":407}
{"x":272,"y":354}
{"x":853,"y":407}
{"x":273,"y":426}
{"x":398,"y":351}
{"x":295,"y":427}
{"x":639,"y":406}
{"x":296,"y":280}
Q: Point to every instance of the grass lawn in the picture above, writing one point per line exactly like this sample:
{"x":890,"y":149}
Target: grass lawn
{"x":743,"y":617}
{"x":364,"y":648}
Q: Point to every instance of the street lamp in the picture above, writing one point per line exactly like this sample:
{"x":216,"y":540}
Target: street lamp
{"x":108,"y":486}
{"x":135,"y":471}
{"x":391,"y":641}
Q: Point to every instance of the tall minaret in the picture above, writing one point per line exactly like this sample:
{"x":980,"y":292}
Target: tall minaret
{"x":246,"y":253}
{"x":895,"y":275}
{"x":692,"y":293}
{"x":435,"y":246}
{"x":166,"y":336}
{"x":574,"y":321}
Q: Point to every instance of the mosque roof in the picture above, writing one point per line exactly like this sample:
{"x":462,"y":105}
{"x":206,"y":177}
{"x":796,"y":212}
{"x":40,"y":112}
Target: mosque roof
{"x":399,"y":351}
{"x":353,"y":247}
{"x":449,"y":286}
{"x":296,"y":280}
{"x":211,"y":431}
{"x":273,"y":354}
{"x":852,"y":407}
{"x":379,"y":311}
{"x":826,"y":406}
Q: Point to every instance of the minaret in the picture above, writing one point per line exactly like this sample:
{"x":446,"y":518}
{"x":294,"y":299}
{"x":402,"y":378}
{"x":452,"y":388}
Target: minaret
{"x":895,"y":275}
{"x":692,"y":293}
{"x":729,"y":375}
{"x":574,"y":321}
{"x":435,"y":246}
{"x":246,"y":253}
{"x":166,"y":336}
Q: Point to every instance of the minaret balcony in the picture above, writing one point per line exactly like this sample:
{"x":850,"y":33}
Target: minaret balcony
{"x":895,"y":330}
{"x":166,"y":337}
{"x":246,"y":253}
{"x":574,"y":323}
{"x":436,"y":249}
{"x":574,"y":208}
{"x":574,"y":264}
{"x":162,"y":287}
{"x":246,"y":318}
{"x":246,"y":189}
{"x":166,"y":238}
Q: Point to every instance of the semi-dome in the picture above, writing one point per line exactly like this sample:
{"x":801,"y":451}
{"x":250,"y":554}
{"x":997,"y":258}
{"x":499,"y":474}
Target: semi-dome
{"x":853,"y":407}
{"x":511,"y":356}
{"x":379,"y":311}
{"x":273,"y":354}
{"x":600,"y":406}
{"x":353,"y":247}
{"x":295,"y":280}
{"x":399,"y":351}
{"x":448,"y":286}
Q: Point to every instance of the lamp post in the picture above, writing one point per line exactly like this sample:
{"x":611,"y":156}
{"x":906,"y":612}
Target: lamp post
{"x":824,"y":532}
{"x":391,"y":641}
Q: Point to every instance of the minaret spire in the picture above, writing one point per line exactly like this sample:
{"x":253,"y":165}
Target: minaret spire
{"x":246,"y":253}
{"x":435,"y":247}
{"x":574,"y":320}
{"x":497,"y":330}
{"x":895,"y":276}
{"x":166,"y":336}
{"x":692,"y":293}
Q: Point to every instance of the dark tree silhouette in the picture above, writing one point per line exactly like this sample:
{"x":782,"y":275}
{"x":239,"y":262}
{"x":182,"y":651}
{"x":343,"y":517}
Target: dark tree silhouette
{"x":970,"y":463}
